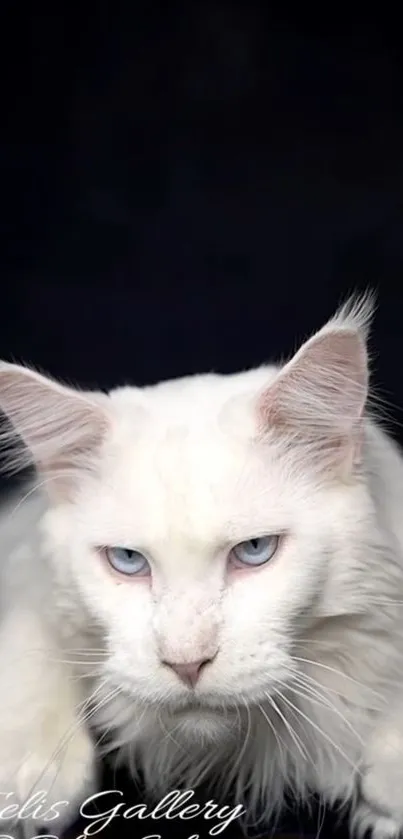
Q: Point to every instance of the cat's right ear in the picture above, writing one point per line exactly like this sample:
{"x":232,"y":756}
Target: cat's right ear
{"x":56,"y":428}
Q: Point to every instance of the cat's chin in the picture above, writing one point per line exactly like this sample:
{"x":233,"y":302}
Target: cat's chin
{"x":204,"y":724}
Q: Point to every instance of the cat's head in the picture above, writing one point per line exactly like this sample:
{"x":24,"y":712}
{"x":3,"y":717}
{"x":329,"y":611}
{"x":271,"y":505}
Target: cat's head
{"x":206,"y":522}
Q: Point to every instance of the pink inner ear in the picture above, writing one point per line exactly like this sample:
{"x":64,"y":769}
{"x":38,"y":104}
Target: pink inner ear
{"x":61,"y":428}
{"x":321,"y":392}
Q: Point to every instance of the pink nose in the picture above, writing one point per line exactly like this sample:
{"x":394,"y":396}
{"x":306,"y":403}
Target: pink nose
{"x":188,"y":672}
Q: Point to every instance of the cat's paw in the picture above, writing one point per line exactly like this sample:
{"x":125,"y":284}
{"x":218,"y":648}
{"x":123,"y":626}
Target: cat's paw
{"x":367,"y":823}
{"x":382,"y":784}
{"x":380,"y":807}
{"x":47,"y":784}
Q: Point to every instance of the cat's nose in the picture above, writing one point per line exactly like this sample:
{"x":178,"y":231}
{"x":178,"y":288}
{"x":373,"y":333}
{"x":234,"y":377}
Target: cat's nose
{"x":189,"y":672}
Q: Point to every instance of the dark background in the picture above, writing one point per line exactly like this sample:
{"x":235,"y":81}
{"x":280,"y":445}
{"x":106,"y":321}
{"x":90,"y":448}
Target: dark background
{"x":195,"y":186}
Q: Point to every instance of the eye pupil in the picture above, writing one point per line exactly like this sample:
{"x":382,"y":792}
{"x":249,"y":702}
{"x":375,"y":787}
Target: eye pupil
{"x":257,"y":551}
{"x":127,"y":561}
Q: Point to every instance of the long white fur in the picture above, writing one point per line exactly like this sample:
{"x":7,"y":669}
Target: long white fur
{"x":305,"y":690}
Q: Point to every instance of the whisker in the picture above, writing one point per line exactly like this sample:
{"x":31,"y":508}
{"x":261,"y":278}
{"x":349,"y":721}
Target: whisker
{"x":325,"y":703}
{"x":90,"y":674}
{"x":337,"y":673}
{"x":74,"y":662}
{"x":245,"y":741}
{"x":168,"y":733}
{"x":86,"y":651}
{"x":293,"y":734}
{"x":321,"y":732}
{"x":82,"y":720}
{"x":54,"y":477}
{"x":277,"y":736}
{"x":72,"y":730}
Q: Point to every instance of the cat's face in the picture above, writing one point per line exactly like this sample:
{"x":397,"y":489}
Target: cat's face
{"x":205,"y":532}
{"x":185,"y":502}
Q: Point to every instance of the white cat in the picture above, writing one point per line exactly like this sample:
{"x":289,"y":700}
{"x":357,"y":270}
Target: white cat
{"x":215,"y":578}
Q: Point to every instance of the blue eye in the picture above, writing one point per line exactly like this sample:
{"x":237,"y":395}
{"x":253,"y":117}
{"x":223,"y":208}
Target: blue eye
{"x":127,"y":562}
{"x":256,"y":551}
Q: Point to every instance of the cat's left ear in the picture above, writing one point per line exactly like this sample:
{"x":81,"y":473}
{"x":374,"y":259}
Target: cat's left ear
{"x":57,"y":428}
{"x":317,"y":401}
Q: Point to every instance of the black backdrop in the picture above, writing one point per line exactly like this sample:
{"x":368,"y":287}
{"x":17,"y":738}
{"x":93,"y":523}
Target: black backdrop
{"x":194,"y":186}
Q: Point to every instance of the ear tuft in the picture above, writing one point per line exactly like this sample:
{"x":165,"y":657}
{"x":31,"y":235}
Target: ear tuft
{"x":356,"y":314}
{"x":318,"y":399}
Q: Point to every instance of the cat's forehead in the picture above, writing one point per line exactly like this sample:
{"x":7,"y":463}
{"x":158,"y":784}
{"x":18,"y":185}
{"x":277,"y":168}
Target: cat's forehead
{"x":191,"y":399}
{"x":192,"y":428}
{"x":177,"y":467}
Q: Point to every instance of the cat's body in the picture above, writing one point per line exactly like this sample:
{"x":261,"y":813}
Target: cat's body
{"x":302,"y":677}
